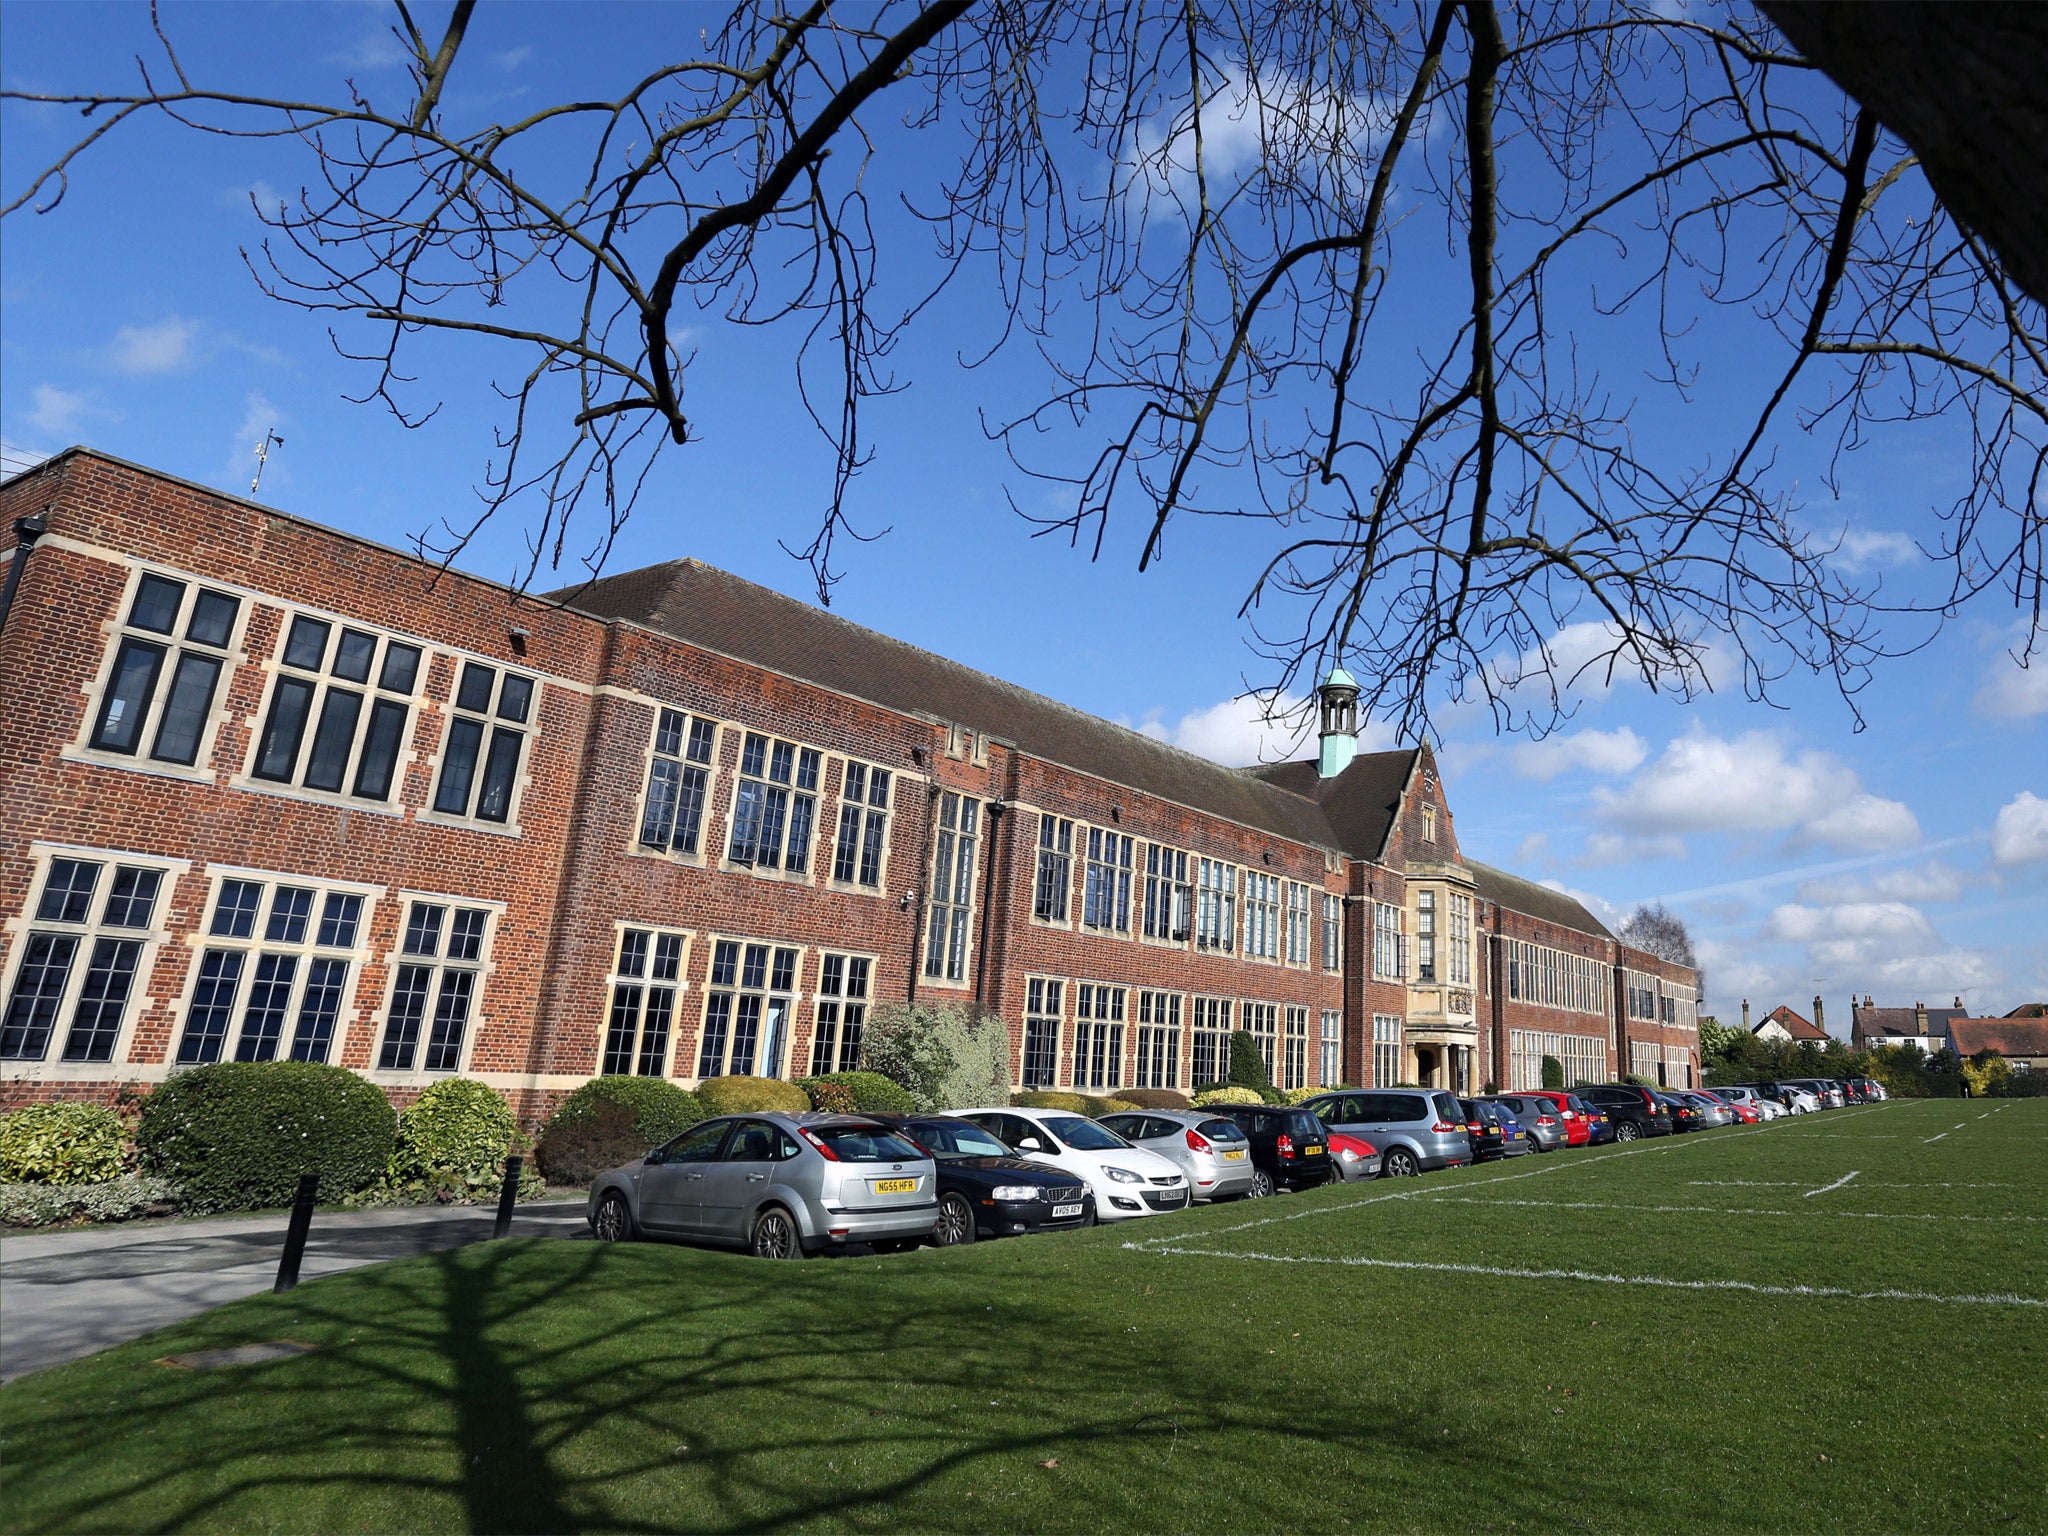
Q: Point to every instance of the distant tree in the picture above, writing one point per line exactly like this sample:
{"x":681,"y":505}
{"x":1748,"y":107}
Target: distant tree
{"x":1656,"y":930}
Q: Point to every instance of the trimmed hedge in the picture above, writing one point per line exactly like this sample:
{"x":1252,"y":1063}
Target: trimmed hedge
{"x":1154,"y":1098}
{"x":121,"y":1199}
{"x":236,"y":1135}
{"x":742,"y":1095}
{"x":453,"y":1139}
{"x":1072,"y":1103}
{"x":1228,"y":1095}
{"x":870,"y":1091}
{"x":1095,"y":1106}
{"x":612,"y":1121}
{"x":61,"y":1144}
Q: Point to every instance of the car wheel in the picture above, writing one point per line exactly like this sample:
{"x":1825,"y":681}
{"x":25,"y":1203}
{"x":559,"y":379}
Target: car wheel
{"x":775,"y":1235}
{"x":1399,"y":1163}
{"x":955,"y":1226}
{"x":1626,"y":1131}
{"x":613,"y":1220}
{"x":1262,"y":1185}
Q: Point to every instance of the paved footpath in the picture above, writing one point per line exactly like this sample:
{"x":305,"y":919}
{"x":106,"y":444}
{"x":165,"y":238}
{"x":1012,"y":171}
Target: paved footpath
{"x":67,"y":1294}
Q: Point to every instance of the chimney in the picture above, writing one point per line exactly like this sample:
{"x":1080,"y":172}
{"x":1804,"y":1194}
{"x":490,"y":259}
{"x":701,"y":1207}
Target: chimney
{"x":1959,"y":1005}
{"x":1866,"y":1000}
{"x":1745,"y":1017}
{"x":1919,"y":1018}
{"x":1339,"y":695}
{"x":1819,"y":1017}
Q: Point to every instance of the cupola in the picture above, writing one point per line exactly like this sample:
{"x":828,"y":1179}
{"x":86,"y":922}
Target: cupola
{"x":1339,"y":696}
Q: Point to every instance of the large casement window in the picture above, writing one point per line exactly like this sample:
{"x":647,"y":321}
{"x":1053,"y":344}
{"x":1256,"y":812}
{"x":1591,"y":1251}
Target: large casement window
{"x":339,"y":706}
{"x":1215,"y":906}
{"x":1677,"y":1007}
{"x":1098,"y":1036}
{"x":1425,"y":936}
{"x":1169,"y":898}
{"x":775,"y":807}
{"x":1677,"y":1069}
{"x":1332,"y":1063}
{"x":1210,"y":1062}
{"x":487,"y":731}
{"x":1387,"y":942}
{"x":1261,"y":916}
{"x":643,"y":1013}
{"x":167,"y":671}
{"x":678,"y":780}
{"x":1158,"y":1040}
{"x":842,"y":1013}
{"x":1554,"y":978}
{"x":434,"y":987}
{"x":1296,"y":1067}
{"x":1333,"y":933}
{"x":946,"y":934}
{"x":1263,"y":1021}
{"x":93,"y":922}
{"x":1645,"y":1060}
{"x":1642,"y":997}
{"x":746,"y":1012}
{"x":1106,"y":894}
{"x":863,"y":826}
{"x":1055,"y":873}
{"x":1583,"y":1057}
{"x":273,"y":972}
{"x":1297,"y":924}
{"x":1459,"y":960}
{"x":1386,"y":1049}
{"x":1043,"y":1013}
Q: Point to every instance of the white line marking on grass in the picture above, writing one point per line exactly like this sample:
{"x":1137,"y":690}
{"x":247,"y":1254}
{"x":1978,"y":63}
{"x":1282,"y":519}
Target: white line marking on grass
{"x":1867,"y":1184}
{"x":1845,"y":1178}
{"x":1749,"y":1286}
{"x":1727,"y":1210}
{"x":1933,"y":1138}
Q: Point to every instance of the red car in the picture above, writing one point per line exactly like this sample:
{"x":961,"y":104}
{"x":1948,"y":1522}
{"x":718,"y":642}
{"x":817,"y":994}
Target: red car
{"x":1576,"y":1132}
{"x":1355,"y":1157}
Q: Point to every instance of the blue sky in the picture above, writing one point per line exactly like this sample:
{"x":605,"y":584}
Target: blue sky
{"x":1909,"y":860}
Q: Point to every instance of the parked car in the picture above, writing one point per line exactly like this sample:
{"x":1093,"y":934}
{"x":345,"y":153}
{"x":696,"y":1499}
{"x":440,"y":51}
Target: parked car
{"x":986,"y":1189}
{"x":1684,"y":1117}
{"x":1599,"y":1127}
{"x":1356,"y":1158}
{"x":1127,"y":1180}
{"x":1563,"y":1107}
{"x":1744,"y":1113}
{"x":1208,"y":1148}
{"x":1288,"y":1143}
{"x":1416,"y":1129}
{"x":1751,"y":1100}
{"x":1495,"y":1133}
{"x":1539,"y":1118}
{"x":1634,"y":1110}
{"x":1826,"y":1095}
{"x":1711,"y":1114}
{"x":779,"y":1185}
{"x":1798,"y":1100}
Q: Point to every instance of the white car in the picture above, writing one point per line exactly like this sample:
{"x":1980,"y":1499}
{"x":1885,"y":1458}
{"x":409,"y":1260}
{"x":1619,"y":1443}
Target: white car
{"x":1766,"y":1109}
{"x":1128,"y":1181}
{"x":1803,"y":1103}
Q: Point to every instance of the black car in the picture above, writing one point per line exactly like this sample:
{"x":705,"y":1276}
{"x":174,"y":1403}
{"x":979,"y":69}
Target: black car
{"x":1288,"y":1143}
{"x":1494,"y":1131}
{"x":1683,"y":1116}
{"x":986,"y":1190}
{"x":1633,"y":1111}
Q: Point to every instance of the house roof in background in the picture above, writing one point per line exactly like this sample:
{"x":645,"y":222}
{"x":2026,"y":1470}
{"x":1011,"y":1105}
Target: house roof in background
{"x":2008,"y":1037}
{"x":1798,"y":1026}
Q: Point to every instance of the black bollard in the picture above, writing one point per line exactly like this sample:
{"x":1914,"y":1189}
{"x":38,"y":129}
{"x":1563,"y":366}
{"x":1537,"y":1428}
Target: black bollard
{"x":508,"y":1195}
{"x":295,"y":1233}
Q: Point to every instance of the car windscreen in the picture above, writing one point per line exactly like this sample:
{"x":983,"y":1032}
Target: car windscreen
{"x":866,"y":1144}
{"x":1220,"y":1130}
{"x":1085,"y":1135}
{"x":949,"y":1139}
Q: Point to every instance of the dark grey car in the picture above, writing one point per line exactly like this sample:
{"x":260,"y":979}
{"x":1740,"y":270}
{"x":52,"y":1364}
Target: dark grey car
{"x":1538,"y":1117}
{"x":1416,"y":1129}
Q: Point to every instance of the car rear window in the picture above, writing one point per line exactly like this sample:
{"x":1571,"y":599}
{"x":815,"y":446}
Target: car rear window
{"x":1220,"y":1130}
{"x":1446,"y":1107}
{"x":867,"y":1144}
{"x":1302,"y":1123}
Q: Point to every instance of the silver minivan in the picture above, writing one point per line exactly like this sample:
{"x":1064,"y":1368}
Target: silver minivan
{"x":1210,"y":1150}
{"x":779,"y":1185}
{"x":1416,"y":1129}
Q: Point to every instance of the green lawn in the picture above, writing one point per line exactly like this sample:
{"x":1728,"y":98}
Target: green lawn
{"x":1354,"y":1358}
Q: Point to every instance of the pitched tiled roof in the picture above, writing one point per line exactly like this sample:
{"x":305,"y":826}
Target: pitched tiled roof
{"x":2008,"y":1037}
{"x":1537,"y":901}
{"x":2029,"y":1011}
{"x":721,"y":612}
{"x":1361,"y":802}
{"x":1900,"y":1021}
{"x":1796,"y":1025}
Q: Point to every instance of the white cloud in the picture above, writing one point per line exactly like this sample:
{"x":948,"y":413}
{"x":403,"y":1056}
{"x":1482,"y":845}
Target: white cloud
{"x":1794,"y":923}
{"x":164,"y":347}
{"x":512,"y":58}
{"x":1242,"y":731}
{"x":1599,"y":906}
{"x":1703,"y":783}
{"x":1609,"y":752}
{"x":1533,"y":847}
{"x":1603,"y":848}
{"x":57,"y":412}
{"x":1932,"y":881}
{"x":1938,"y":974}
{"x":2013,"y":692}
{"x":2020,"y":834}
{"x":1862,"y":549}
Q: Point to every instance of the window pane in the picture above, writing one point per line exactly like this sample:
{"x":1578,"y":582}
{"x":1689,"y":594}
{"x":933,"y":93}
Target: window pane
{"x":213,"y":1000}
{"x":689,"y":810}
{"x":475,"y":692}
{"x":515,"y":698}
{"x":102,"y":1000}
{"x":352,"y":657}
{"x":661,"y":1004}
{"x":700,"y":741}
{"x":494,"y":803}
{"x":132,"y":901}
{"x":338,"y":919}
{"x":234,"y":915}
{"x":668,"y":957}
{"x":156,"y":604}
{"x":289,"y":909}
{"x":458,"y":768}
{"x":466,"y":933}
{"x":334,"y":739}
{"x":717,"y":1020}
{"x":186,"y":707}
{"x":213,"y":618}
{"x":423,"y":932}
{"x":622,"y":1031}
{"x":451,"y":1018}
{"x":67,"y":893}
{"x":668,"y":733}
{"x":659,"y":819}
{"x":401,"y":667}
{"x":319,"y":1007}
{"x":633,"y":952}
{"x":128,"y":694}
{"x":746,"y":822}
{"x":800,"y":815}
{"x":278,"y":756}
{"x":380,"y":750}
{"x":307,"y":646}
{"x":408,"y":1009}
{"x":38,"y":988}
{"x":263,"y":1019}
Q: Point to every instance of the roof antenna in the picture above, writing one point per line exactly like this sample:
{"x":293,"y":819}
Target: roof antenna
{"x":263,"y":448}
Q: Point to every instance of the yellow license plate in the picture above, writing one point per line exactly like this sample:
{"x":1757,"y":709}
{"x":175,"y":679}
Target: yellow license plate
{"x":1234,"y":1157}
{"x":895,"y":1186}
{"x":1312,"y":1151}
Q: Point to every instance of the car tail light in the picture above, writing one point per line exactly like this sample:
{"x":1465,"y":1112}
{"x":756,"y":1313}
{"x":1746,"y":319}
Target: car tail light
{"x":1545,"y":1120}
{"x":1284,"y":1144}
{"x":1442,"y":1126}
{"x":1197,"y":1142}
{"x":824,"y":1150}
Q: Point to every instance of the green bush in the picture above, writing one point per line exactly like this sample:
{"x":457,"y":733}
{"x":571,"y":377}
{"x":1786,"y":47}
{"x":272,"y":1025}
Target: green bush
{"x":659,"y":1108}
{"x":1095,"y":1106}
{"x":1247,"y":1066}
{"x":236,"y":1135}
{"x":871,"y":1091}
{"x":1154,"y":1098}
{"x":743,"y":1095}
{"x":1228,"y":1095}
{"x":830,"y":1098}
{"x":1298,"y":1095}
{"x":453,"y":1139}
{"x":1553,"y":1073}
{"x":61,"y":1144}
{"x":1072,"y":1103}
{"x":118,"y":1199}
{"x":612,"y":1121}
{"x":946,"y":1055}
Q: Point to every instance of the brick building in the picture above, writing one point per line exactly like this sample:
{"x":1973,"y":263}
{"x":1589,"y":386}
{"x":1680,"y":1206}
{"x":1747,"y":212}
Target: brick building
{"x":273,"y":790}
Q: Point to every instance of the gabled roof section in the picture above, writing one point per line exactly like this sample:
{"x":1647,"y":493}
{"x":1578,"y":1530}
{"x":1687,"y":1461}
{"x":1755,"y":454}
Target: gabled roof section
{"x":1533,"y":900}
{"x":1361,"y":803}
{"x":1798,"y":1026}
{"x":718,"y":611}
{"x":2008,"y":1037}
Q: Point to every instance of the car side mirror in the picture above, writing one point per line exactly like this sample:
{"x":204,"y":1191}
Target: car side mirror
{"x":1030,"y":1144}
{"x":652,"y":1158}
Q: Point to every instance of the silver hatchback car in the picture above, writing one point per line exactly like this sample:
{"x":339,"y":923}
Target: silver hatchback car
{"x":1416,"y":1129}
{"x":779,"y":1185}
{"x":1210,"y":1150}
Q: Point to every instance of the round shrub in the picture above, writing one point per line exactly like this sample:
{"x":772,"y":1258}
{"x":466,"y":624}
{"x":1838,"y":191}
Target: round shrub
{"x":1247,"y":1062}
{"x":1228,"y":1096}
{"x":1095,"y":1107}
{"x":743,"y":1095}
{"x":831,"y":1098}
{"x":454,"y":1138}
{"x":1072,"y":1103}
{"x":236,"y":1135}
{"x":61,"y":1144}
{"x":871,"y":1091}
{"x":1298,"y":1095}
{"x":612,"y":1121}
{"x":1154,"y":1098}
